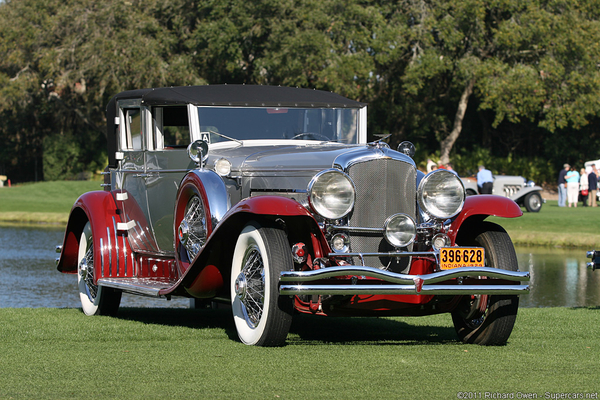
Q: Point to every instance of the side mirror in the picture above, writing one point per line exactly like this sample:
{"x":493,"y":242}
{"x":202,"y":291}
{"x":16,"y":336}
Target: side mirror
{"x":198,"y":152}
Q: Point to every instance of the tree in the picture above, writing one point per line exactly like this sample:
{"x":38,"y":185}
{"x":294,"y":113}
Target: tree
{"x":523,"y":60}
{"x":64,"y":60}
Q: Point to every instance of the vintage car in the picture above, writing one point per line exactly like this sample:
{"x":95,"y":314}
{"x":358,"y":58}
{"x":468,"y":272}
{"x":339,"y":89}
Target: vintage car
{"x":525,"y":193}
{"x":270,"y":200}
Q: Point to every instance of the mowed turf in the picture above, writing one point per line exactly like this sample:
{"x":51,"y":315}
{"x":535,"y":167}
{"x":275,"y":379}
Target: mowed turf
{"x":184,"y":354}
{"x":42,"y":202}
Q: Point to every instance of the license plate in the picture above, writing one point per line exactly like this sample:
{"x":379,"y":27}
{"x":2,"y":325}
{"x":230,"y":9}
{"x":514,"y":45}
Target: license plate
{"x":455,"y":257}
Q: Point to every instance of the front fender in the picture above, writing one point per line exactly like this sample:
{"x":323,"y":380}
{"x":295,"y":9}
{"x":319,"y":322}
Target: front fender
{"x":478,"y":208}
{"x":218,"y":250}
{"x":520,"y":195}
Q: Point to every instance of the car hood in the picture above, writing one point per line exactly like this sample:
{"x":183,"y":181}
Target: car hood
{"x":298,"y":160}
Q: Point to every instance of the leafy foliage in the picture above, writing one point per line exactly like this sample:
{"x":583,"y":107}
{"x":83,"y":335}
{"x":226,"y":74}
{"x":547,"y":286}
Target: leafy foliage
{"x":533,"y":67}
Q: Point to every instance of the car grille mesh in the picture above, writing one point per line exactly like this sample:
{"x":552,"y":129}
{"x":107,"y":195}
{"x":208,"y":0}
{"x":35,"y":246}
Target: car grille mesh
{"x":383,"y":187}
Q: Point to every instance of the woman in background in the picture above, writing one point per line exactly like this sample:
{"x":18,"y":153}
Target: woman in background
{"x":572,"y":179}
{"x":583,"y":187}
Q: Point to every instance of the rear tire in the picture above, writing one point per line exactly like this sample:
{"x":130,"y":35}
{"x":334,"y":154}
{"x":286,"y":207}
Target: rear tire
{"x":489,"y":319}
{"x":262,"y":317}
{"x":95,"y":300}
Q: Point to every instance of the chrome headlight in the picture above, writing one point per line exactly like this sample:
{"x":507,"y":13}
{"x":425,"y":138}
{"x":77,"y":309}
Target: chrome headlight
{"x":223,"y":167}
{"x":441,"y":194}
{"x":331,"y":194}
{"x":400,"y":230}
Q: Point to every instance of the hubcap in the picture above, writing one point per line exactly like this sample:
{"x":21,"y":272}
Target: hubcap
{"x":250,"y":286}
{"x":86,"y":272}
{"x":241,"y":286}
{"x":183,"y":232}
{"x":83,"y":269}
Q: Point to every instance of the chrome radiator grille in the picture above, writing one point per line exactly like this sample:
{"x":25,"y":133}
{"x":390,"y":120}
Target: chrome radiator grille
{"x":383,"y":187}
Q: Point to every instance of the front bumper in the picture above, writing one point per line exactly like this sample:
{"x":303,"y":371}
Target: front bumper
{"x":317,"y":282}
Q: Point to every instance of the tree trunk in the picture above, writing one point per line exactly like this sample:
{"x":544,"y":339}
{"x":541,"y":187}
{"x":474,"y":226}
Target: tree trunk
{"x":448,"y":142}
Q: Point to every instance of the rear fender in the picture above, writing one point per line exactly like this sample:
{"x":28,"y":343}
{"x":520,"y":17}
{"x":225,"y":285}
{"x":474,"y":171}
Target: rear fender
{"x":478,"y":208}
{"x":111,"y":248}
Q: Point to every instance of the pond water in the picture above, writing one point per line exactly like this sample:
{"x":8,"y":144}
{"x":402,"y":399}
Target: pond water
{"x":28,"y":275}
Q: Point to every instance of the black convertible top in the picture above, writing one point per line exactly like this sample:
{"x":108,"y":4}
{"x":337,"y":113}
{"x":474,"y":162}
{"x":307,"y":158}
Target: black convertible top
{"x":224,"y":95}
{"x":240,"y":95}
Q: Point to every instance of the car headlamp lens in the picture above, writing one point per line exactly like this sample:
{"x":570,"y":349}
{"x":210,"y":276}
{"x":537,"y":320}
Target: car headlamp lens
{"x":441,"y":194}
{"x":331,"y":194}
{"x":440,"y":240}
{"x":223,"y":167}
{"x":400,"y":230}
{"x":340,"y":243}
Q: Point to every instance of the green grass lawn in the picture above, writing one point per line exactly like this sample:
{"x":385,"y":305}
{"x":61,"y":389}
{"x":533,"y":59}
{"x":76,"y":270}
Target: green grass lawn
{"x":555,"y":226}
{"x":42,"y":202}
{"x":50,"y":202}
{"x":178,"y":353}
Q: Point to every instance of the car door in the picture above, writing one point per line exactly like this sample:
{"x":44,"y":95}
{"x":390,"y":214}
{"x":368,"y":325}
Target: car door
{"x":167,"y":163}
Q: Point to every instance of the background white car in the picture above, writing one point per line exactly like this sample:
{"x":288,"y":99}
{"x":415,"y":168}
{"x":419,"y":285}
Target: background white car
{"x":524,"y":193}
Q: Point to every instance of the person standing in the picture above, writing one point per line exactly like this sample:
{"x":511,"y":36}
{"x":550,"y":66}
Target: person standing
{"x":584,"y":187}
{"x":592,"y":186}
{"x":431,"y":165}
{"x":485,"y":180}
{"x":451,"y":169}
{"x":572,"y":179}
{"x":562,"y":186}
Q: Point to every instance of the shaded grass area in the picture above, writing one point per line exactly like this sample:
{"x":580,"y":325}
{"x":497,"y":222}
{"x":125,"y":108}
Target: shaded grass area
{"x":179,"y":353}
{"x":42,"y":202}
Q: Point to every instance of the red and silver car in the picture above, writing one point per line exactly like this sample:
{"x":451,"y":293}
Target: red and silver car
{"x":271,"y":200}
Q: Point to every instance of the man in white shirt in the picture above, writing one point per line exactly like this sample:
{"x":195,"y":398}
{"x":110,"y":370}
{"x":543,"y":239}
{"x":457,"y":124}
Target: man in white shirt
{"x":485,"y":180}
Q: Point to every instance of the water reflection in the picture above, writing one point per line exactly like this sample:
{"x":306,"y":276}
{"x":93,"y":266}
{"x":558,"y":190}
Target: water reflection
{"x":29,"y":278}
{"x":559,"y":278}
{"x":28,"y":275}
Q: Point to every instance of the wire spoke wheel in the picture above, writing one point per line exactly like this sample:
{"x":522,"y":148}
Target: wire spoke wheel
{"x":95,"y":300}
{"x":192,"y":229}
{"x":262,"y":318}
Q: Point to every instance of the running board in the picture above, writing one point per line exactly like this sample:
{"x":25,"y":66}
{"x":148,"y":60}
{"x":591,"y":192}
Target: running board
{"x":142,"y":286}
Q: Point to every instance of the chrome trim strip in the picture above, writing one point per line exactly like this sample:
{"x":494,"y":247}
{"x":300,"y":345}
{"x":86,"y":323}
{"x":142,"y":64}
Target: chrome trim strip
{"x":388,"y":254}
{"x":124,"y":252}
{"x":130,"y":285}
{"x":362,"y":154}
{"x":116,"y":243}
{"x":354,"y":229}
{"x":402,"y":279}
{"x":109,"y":247}
{"x":101,"y":256}
{"x":402,"y":289}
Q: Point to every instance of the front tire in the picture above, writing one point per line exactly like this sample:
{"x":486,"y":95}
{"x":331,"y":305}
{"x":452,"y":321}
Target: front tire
{"x":489,"y":319}
{"x":262,"y":317}
{"x":533,"y":202}
{"x":95,"y":300}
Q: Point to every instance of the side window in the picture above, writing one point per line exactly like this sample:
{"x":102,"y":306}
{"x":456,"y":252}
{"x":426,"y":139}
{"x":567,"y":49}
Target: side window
{"x":133,"y":128}
{"x":172,"y":127}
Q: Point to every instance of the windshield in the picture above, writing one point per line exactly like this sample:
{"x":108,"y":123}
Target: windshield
{"x":219,"y":124}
